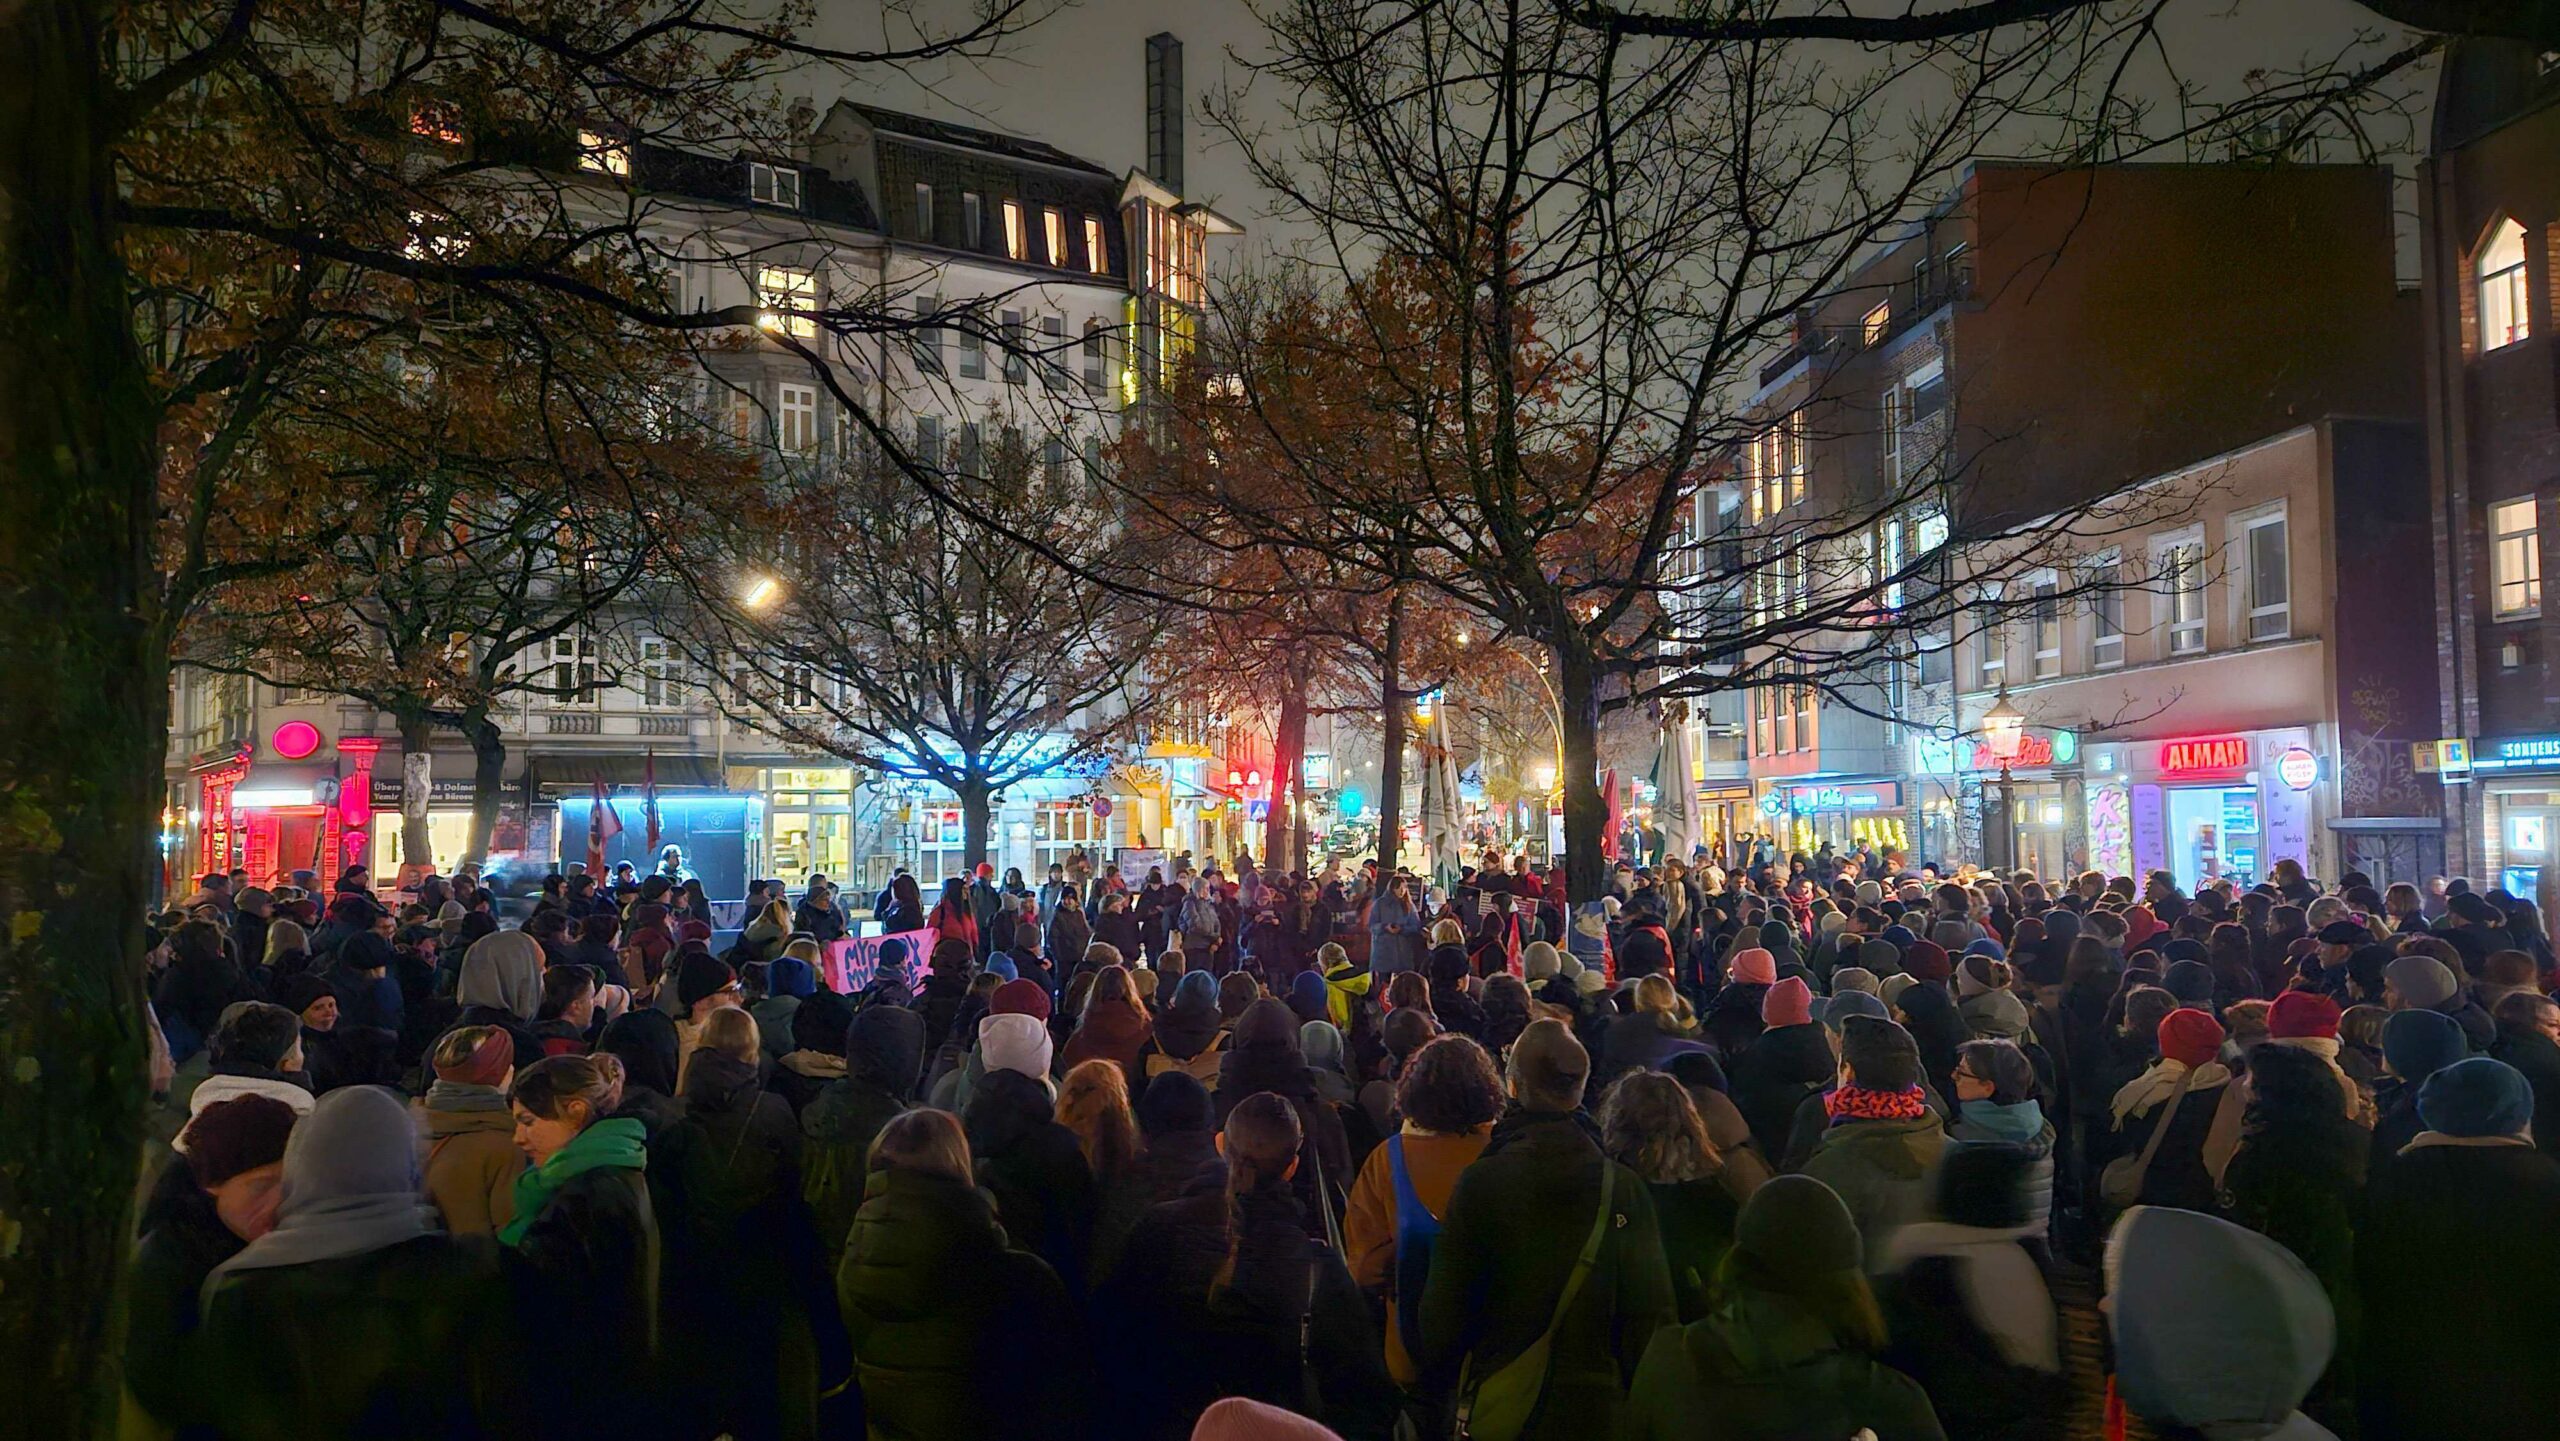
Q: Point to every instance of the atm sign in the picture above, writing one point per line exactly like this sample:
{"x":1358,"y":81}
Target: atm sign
{"x":2211,"y":753}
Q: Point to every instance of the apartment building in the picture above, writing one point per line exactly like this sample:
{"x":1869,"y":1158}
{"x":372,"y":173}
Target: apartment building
{"x":1071,"y":291}
{"x":2012,"y":358}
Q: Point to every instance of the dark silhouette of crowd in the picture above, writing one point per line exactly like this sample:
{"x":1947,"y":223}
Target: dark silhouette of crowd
{"x":1745,"y":1155}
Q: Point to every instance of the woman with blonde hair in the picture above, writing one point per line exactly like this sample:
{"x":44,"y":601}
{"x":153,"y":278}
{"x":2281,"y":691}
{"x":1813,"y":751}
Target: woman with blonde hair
{"x":1659,"y":1028}
{"x":1093,"y":1102}
{"x":1650,"y":1126}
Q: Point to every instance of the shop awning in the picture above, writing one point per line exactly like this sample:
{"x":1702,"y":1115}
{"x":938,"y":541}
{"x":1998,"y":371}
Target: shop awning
{"x":559,"y":774}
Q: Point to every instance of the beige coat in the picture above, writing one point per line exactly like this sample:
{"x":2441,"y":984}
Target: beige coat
{"x":472,"y":1165}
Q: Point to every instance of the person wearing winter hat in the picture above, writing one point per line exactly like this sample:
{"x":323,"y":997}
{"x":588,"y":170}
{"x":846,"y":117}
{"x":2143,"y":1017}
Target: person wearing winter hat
{"x":2219,"y":1331}
{"x":1991,"y":1011}
{"x":1927,"y":961}
{"x":2191,"y":981}
{"x":1752,"y":966}
{"x":704,"y":983}
{"x":2456,"y":1264}
{"x":219,"y":1193}
{"x":1881,"y":1137}
{"x":1796,"y":1269}
{"x":2190,"y":1048}
{"x":2298,"y":1020}
{"x":2421,"y":982}
{"x":1855,"y":978}
{"x":1015,"y":1041}
{"x":1890,"y":989}
{"x":1878,"y":957}
{"x":472,"y":1161}
{"x":1020,"y":997}
{"x":789,"y":978}
{"x":2415,"y":1045}
{"x":1966,"y":1302}
{"x":1789,"y":1003}
{"x":1837,"y":1011}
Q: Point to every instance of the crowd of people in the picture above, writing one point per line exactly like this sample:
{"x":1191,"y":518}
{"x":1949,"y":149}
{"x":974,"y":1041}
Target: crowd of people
{"x":1756,"y":1155}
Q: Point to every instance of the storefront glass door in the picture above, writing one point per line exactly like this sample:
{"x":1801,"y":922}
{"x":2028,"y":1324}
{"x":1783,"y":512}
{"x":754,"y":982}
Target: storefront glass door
{"x":2213,"y":831}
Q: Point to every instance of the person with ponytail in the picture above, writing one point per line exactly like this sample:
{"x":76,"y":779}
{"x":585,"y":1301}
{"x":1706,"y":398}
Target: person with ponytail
{"x":1227,"y":1294}
{"x":582,"y":1247}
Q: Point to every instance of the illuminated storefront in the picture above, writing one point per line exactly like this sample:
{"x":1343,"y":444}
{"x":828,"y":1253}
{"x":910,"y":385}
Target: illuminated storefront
{"x":2205,"y":806}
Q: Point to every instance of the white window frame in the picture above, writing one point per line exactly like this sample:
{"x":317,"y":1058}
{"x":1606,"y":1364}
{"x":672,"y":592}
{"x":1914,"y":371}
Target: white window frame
{"x":2044,"y":623}
{"x":1096,"y":372}
{"x":1893,"y":563}
{"x":924,"y":343}
{"x":572,"y":663}
{"x":1053,"y":351}
{"x":1017,"y":239}
{"x":2105,"y":577}
{"x":785,"y":296}
{"x":1990,"y":640}
{"x":795,"y":417}
{"x":973,"y":221}
{"x":601,"y":154}
{"x":1097,"y":247}
{"x":2259,"y":621}
{"x":1017,"y":338}
{"x":662,"y":674}
{"x":2515,"y":558}
{"x":2505,"y":294}
{"x":1053,"y":230}
{"x":2178,"y":581}
{"x":973,"y":352}
{"x":775,"y":185}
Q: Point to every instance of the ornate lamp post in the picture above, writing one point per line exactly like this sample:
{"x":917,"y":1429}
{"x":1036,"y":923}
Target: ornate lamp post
{"x":2004,"y":729}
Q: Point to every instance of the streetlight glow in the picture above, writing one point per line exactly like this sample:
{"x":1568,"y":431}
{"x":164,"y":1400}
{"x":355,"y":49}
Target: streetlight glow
{"x":760,"y":592}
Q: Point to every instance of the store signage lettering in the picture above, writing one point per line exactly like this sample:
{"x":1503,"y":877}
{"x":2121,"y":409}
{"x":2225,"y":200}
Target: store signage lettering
{"x":2297,"y":768}
{"x":2210,"y":753}
{"x":2033,"y":751}
{"x":1804,"y":800}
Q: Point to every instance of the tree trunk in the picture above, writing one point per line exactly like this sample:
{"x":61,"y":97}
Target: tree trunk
{"x":488,"y":785}
{"x":82,"y":748}
{"x":417,"y":845}
{"x":977,"y":816}
{"x":1283,"y":832}
{"x":1391,"y":737}
{"x":1586,"y":809}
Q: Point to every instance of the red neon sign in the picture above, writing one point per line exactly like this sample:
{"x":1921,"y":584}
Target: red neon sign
{"x":2033,"y":751}
{"x":296,"y":739}
{"x":2210,"y":753}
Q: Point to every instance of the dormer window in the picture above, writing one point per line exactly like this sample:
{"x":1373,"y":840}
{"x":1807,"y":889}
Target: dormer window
{"x":601,"y":154}
{"x":1053,"y":225}
{"x":777,"y":185}
{"x":1097,"y":256}
{"x":1017,"y":244}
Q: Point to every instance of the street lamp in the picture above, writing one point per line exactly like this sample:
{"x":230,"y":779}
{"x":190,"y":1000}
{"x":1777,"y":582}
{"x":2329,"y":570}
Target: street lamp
{"x":759,"y":592}
{"x":2004,"y":730}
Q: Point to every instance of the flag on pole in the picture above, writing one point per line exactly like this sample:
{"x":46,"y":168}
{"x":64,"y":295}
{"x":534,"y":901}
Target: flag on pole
{"x":602,"y":826}
{"x":1617,"y":814}
{"x":649,"y":796}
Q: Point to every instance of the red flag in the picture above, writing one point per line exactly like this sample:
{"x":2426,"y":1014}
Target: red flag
{"x":602,"y":825}
{"x":649,"y":796}
{"x":1617,"y":816}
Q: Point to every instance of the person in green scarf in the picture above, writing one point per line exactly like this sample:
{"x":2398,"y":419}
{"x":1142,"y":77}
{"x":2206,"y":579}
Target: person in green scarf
{"x":582,"y":1249}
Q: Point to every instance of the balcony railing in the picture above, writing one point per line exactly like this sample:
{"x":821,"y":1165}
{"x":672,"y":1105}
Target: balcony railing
{"x":572,"y":723}
{"x":1909,"y":302}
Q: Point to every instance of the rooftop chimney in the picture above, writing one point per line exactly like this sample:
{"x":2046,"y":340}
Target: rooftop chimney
{"x":1164,"y":110}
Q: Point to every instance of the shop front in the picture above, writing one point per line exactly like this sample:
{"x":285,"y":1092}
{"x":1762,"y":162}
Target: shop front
{"x":2203,"y":807}
{"x":2030,"y":812}
{"x":1841,"y":813}
{"x":283,"y":807}
{"x":2518,"y":778}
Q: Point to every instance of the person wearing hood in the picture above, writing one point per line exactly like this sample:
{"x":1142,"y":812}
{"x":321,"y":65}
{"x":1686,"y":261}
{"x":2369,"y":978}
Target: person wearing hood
{"x":2415,"y":1045}
{"x":1114,"y":1026}
{"x":791,"y":978}
{"x":1265,"y":1056}
{"x":2219,"y":1332}
{"x":1190,"y":1035}
{"x":1996,"y":1104}
{"x":644,"y":1043}
{"x":1881,"y":1137}
{"x":582,"y":1250}
{"x":472,"y":1161}
{"x":1226,"y":1294}
{"x":1541,"y":1197}
{"x":1790,"y":1352}
{"x":2422,"y":983}
{"x":218,"y":1194}
{"x":368,"y":994}
{"x":2456,"y":1265}
{"x":952,"y":1327}
{"x":1177,"y":1129}
{"x":502,"y":986}
{"x":1034,"y":1167}
{"x":1788,"y":1062}
{"x":355,"y":1306}
{"x":813,"y":1057}
{"x":743,"y":1263}
{"x":883,"y":1057}
{"x":950,"y":1086}
{"x":1966,"y":1303}
{"x":1329,"y":1066}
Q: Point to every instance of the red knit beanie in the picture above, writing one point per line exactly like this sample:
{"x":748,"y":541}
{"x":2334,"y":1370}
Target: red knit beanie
{"x":1789,"y":1003}
{"x":487,"y":1065}
{"x":1019,"y":997}
{"x":2190,"y":1035}
{"x":1926,"y":961}
{"x":229,"y":1137}
{"x":1753,"y":966}
{"x":2302,"y":1013}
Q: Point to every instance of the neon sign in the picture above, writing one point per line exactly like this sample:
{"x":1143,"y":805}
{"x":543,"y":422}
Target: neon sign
{"x":2210,"y":753}
{"x":296,"y":739}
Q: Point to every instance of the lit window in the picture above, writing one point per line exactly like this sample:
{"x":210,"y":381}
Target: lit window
{"x":1871,"y":330}
{"x":2048,"y":628}
{"x":1015,"y":242}
{"x":1791,"y":437}
{"x":2516,"y":557}
{"x":2506,"y":306}
{"x":796,"y":418}
{"x":1097,"y":254}
{"x":924,"y":212}
{"x":787,"y":298}
{"x":1930,"y":532}
{"x":2270,"y":578}
{"x":2181,"y":569}
{"x":1053,"y":226}
{"x":603,"y":154}
{"x":436,"y":120}
{"x":773,"y":185}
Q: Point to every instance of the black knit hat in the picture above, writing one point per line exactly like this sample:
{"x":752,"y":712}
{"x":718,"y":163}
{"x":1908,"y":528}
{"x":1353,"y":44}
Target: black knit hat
{"x":702,"y":975}
{"x":1881,"y":1055}
{"x":1983,"y":1183}
{"x":1795,"y":1226}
